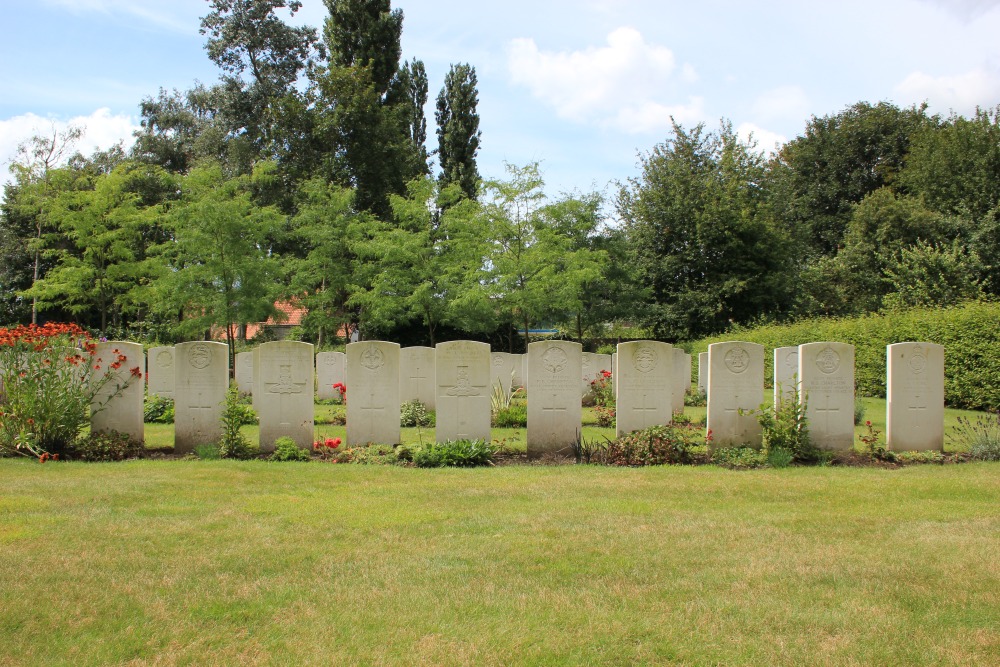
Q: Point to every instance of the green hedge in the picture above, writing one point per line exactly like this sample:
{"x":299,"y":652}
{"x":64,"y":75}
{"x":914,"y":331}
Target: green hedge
{"x":970,"y":334}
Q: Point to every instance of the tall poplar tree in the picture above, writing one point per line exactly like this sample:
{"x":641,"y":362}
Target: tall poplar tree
{"x":458,"y":129}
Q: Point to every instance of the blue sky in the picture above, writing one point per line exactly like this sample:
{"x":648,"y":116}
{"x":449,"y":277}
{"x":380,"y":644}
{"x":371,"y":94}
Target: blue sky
{"x":581,"y":87}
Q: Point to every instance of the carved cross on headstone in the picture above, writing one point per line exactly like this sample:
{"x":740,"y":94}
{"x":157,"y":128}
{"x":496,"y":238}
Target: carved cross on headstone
{"x":285,"y":387}
{"x":643,"y":409}
{"x":199,"y":419}
{"x":826,"y":412}
{"x":370,"y":410}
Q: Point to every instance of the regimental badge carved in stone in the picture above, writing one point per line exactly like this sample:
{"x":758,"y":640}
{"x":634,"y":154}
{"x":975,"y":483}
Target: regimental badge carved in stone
{"x":463,"y":384}
{"x":164,"y":359}
{"x":918,"y":360}
{"x":554,"y":360}
{"x":792,"y":361}
{"x":828,"y":361}
{"x":201,"y":356}
{"x":497,"y":360}
{"x":372,"y":358}
{"x":644,"y":359}
{"x":737,"y":360}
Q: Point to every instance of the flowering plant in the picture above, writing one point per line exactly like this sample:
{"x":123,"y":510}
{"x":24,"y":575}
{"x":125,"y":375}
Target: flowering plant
{"x":341,"y":388}
{"x":327,"y":449}
{"x":51,"y":382}
{"x":602,"y":389}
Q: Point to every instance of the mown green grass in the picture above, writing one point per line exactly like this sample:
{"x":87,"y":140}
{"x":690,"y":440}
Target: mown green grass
{"x":197,"y":562}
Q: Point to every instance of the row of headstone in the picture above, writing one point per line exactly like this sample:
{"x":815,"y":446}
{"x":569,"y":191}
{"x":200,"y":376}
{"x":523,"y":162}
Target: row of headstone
{"x":648,"y":376}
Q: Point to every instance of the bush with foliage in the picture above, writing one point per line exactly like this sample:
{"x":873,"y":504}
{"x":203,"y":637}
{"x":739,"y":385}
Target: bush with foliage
{"x":105,"y":446}
{"x":285,"y":449}
{"x":234,"y":445}
{"x":454,"y":454}
{"x":368,"y":454}
{"x":740,"y":457}
{"x":158,"y":410}
{"x":657,"y":445}
{"x":513,"y":416}
{"x":602,"y":389}
{"x":326,"y":449}
{"x":51,"y":377}
{"x":969,"y":333}
{"x":414,"y":413}
{"x":786,"y":428}
{"x":604,"y":416}
{"x":981,"y":437}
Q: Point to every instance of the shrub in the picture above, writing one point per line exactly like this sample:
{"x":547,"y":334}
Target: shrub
{"x":968,"y":332}
{"x":981,"y":437}
{"x":602,"y":389}
{"x":929,"y":456}
{"x":859,"y":411}
{"x":52,"y":381}
{"x":605,"y":417}
{"x":369,"y":454}
{"x":740,"y":457}
{"x":234,"y":444}
{"x":455,"y":454}
{"x":285,"y":449}
{"x":105,"y":446}
{"x":657,"y":445}
{"x":785,"y":428}
{"x":414,"y":413}
{"x":513,"y":416}
{"x":872,"y":445}
{"x":695,"y":398}
{"x":158,"y":410}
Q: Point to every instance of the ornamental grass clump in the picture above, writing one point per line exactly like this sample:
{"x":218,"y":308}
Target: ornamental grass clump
{"x":51,"y":377}
{"x":981,"y":437}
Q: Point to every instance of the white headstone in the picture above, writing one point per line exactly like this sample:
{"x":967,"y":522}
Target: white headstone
{"x":554,"y":408}
{"x":373,"y":393}
{"x":915,"y":397}
{"x":735,"y":383}
{"x":826,"y":374}
{"x":416,"y":375}
{"x":463,"y":391}
{"x":521,"y":371}
{"x":786,"y":371}
{"x":504,"y":368}
{"x":703,"y":372}
{"x":329,"y":371}
{"x":161,"y":371}
{"x":122,"y":412}
{"x":593,"y":364}
{"x":284,"y":390}
{"x":614,"y":373}
{"x":244,"y":372}
{"x":682,"y":375}
{"x":200,"y":382}
{"x":645,"y":382}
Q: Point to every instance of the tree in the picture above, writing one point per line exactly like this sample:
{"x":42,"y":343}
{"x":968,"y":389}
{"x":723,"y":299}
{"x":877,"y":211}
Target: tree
{"x":817,"y":178}
{"x":701,"y":238}
{"x":365,"y":33}
{"x":458,"y":129}
{"x":178,"y":129}
{"x":261,"y":57}
{"x":32,"y":170}
{"x":407,"y":96}
{"x":219,"y":269}
{"x":534,"y":267}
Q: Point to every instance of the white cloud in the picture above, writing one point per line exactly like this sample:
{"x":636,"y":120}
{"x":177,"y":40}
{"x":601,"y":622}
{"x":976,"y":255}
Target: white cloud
{"x":960,"y":93}
{"x":782,"y":103}
{"x":767,"y":142}
{"x":966,"y":9}
{"x":102,"y":130}
{"x":626,"y":85}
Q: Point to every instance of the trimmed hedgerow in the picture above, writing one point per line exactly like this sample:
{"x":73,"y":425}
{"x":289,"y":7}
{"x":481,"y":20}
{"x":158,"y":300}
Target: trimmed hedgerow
{"x":969,"y":333}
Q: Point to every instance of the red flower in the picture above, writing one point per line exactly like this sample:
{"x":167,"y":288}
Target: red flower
{"x":116,"y":365}
{"x":31,"y":422}
{"x":868,"y":423}
{"x":136,"y":372}
{"x":332,"y":443}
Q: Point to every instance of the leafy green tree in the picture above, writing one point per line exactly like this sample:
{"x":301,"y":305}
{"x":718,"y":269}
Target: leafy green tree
{"x":407,"y":96}
{"x":458,"y":129}
{"x":178,"y":129}
{"x":955,"y":167}
{"x":933,"y":275}
{"x":261,"y":58}
{"x":365,"y":33}
{"x":220,"y":272}
{"x":700,"y":237}
{"x":818,"y":177}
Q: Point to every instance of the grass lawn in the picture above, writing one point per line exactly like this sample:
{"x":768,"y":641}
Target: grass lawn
{"x":221,"y":562}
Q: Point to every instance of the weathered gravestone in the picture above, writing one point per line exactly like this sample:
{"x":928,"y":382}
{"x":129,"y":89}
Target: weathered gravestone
{"x":703,"y":372}
{"x":416,"y":375}
{"x":554,"y":408}
{"x":915,"y":397}
{"x":118,"y":405}
{"x":682,"y":376}
{"x":373,"y":397}
{"x":614,"y":373}
{"x":593,"y":364}
{"x":786,"y":372}
{"x":504,"y":369}
{"x":826,"y":376}
{"x":735,"y":384}
{"x":200,"y":382}
{"x":244,"y":372}
{"x":161,"y":372}
{"x":284,"y":390}
{"x":463,"y":391}
{"x":645,"y":385}
{"x":520,"y":371}
{"x":329,"y":371}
